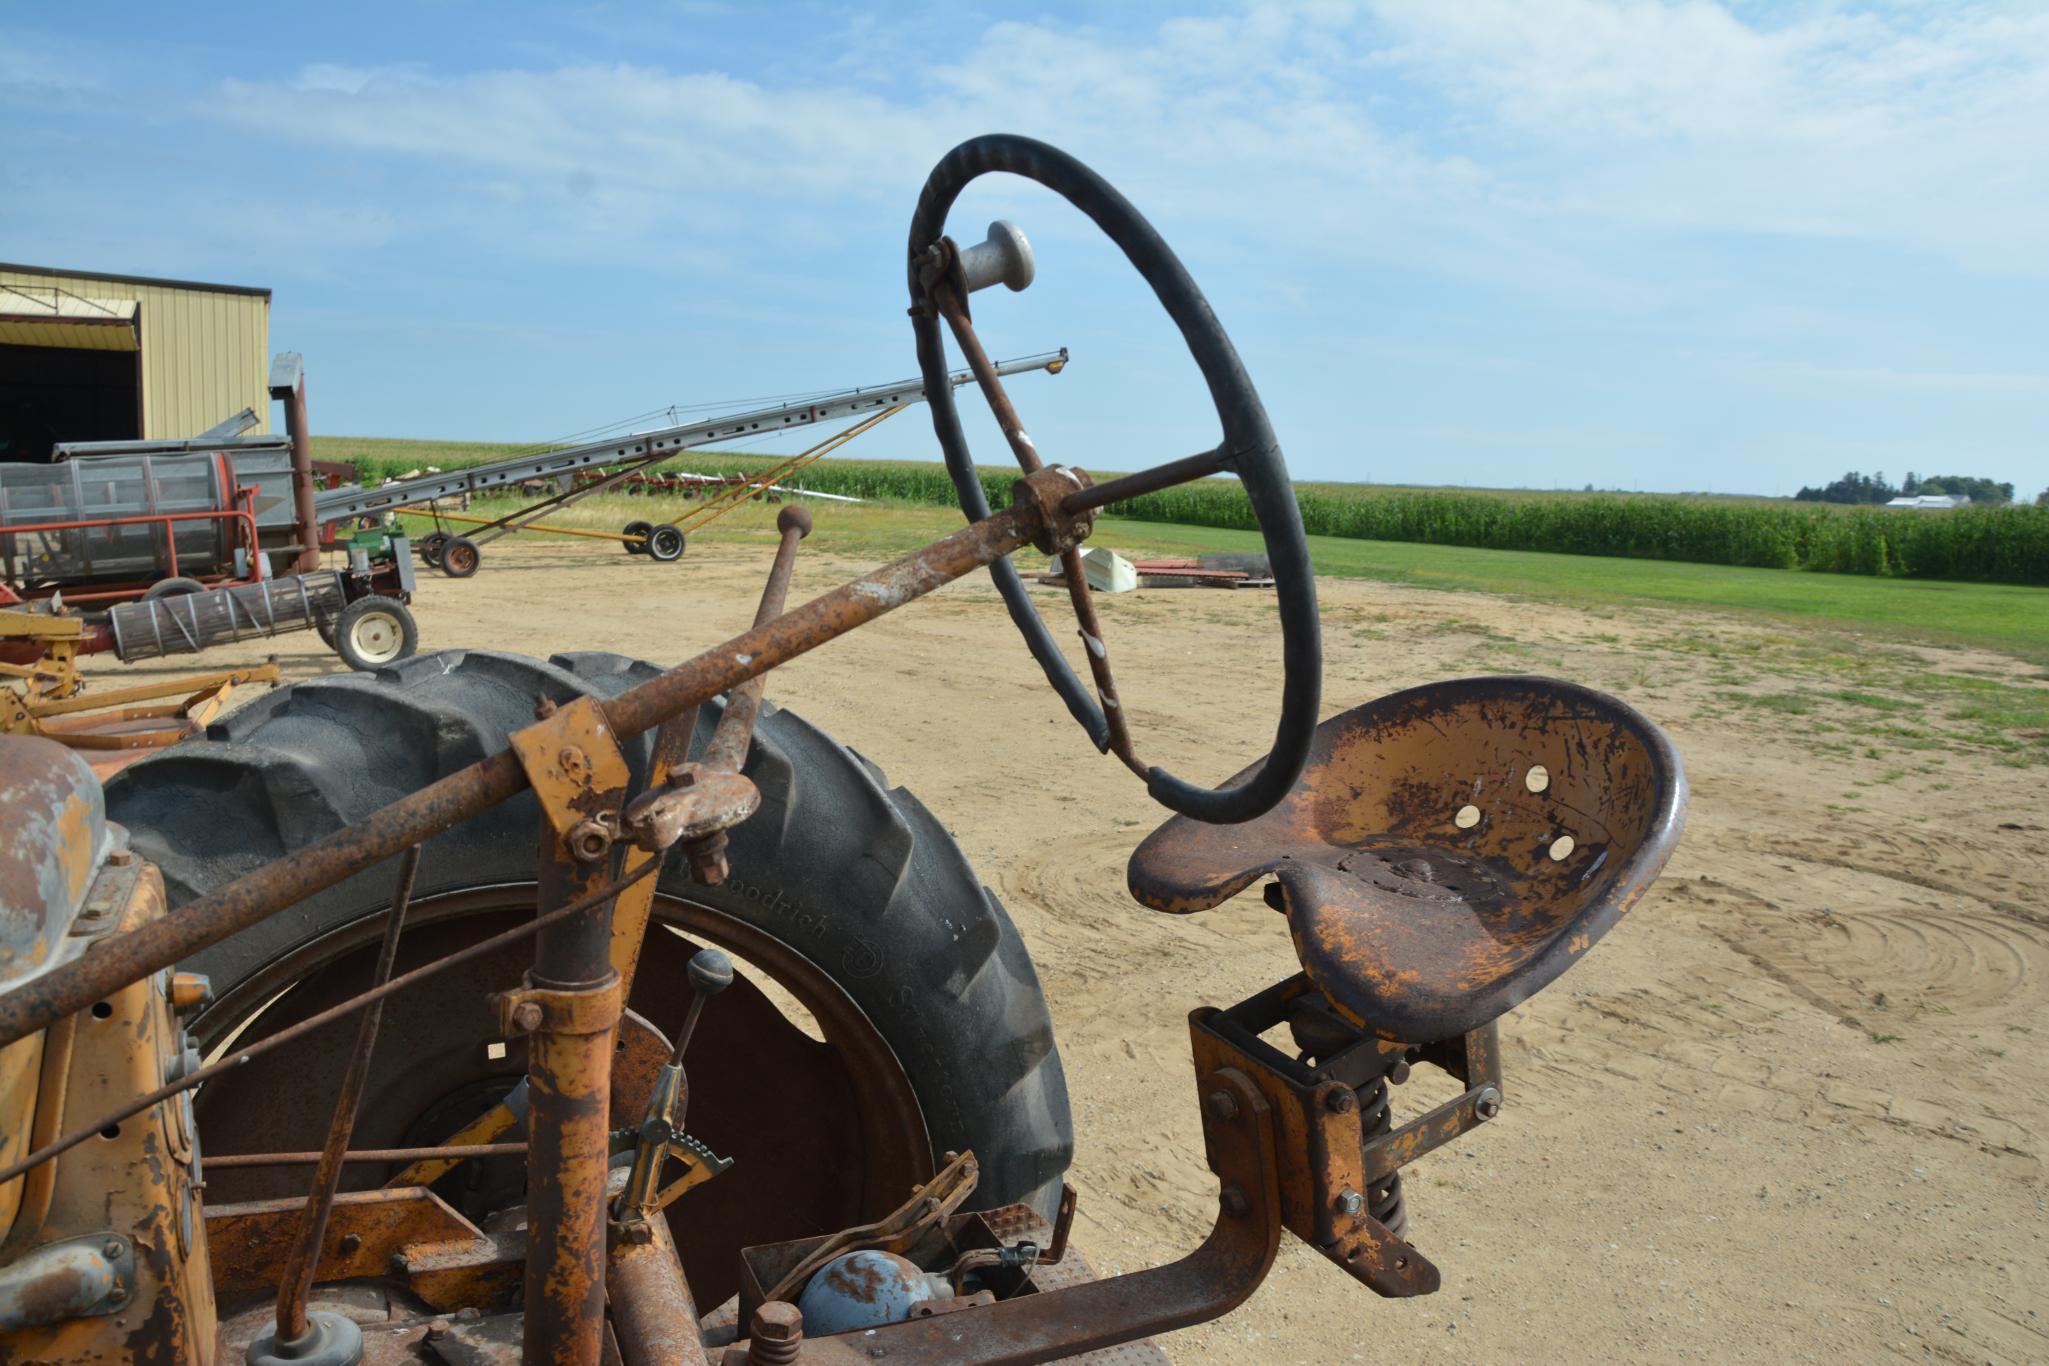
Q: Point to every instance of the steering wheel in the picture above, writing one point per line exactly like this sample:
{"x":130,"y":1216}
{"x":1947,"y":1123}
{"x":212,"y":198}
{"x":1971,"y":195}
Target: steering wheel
{"x":941,"y":276}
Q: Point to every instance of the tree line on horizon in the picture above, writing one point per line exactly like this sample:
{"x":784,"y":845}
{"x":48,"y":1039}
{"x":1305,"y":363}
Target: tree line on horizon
{"x":1856,"y":487}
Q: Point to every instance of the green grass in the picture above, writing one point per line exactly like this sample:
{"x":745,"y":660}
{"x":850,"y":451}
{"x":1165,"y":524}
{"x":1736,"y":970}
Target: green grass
{"x":2008,"y":618}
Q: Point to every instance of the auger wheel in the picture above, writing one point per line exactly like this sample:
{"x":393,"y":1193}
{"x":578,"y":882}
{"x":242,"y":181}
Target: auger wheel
{"x":886,"y":1011}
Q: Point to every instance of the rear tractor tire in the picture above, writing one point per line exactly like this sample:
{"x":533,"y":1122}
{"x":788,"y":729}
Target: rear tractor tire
{"x":885,"y":1011}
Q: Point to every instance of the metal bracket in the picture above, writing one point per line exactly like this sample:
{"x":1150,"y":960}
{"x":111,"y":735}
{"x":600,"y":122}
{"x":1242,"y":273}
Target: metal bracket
{"x":1320,"y":1146}
{"x":591,"y":1010}
{"x":577,"y":772}
{"x":72,"y":1278}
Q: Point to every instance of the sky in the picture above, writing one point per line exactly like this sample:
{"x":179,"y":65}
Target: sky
{"x":1523,"y":243}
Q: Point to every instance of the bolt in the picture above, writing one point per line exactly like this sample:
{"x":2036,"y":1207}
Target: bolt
{"x":1223,"y":1105}
{"x":1350,"y":1201}
{"x":1341,"y":1101}
{"x":776,"y":1334}
{"x":708,"y":859}
{"x":543,"y":709}
{"x":398,"y":1264}
{"x":438,"y":1329}
{"x":1487,"y":1104}
{"x":576,"y":765}
{"x":120,"y":858}
{"x":1234,"y":1202}
{"x":113,"y":1248}
{"x":589,"y":840}
{"x":189,"y":989}
{"x":526,"y":1017}
{"x":350,"y":1244}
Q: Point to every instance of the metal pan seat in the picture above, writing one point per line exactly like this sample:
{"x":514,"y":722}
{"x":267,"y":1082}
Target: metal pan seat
{"x":1448,"y":851}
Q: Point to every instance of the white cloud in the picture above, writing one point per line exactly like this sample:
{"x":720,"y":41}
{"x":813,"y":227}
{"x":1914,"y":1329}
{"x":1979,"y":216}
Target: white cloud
{"x":1546,"y":144}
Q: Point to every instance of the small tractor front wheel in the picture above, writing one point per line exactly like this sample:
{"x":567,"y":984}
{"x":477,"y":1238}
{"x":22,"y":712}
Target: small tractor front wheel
{"x":372,"y":632}
{"x":665,"y":543}
{"x":638,"y":531}
{"x":460,"y":557}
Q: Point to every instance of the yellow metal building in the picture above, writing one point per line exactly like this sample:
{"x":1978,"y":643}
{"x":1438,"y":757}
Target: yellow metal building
{"x":87,"y":357}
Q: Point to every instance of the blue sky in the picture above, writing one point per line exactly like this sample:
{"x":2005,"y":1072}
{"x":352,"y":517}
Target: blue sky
{"x":1494,"y":242}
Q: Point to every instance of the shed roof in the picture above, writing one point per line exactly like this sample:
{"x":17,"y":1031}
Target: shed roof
{"x":159,"y":282}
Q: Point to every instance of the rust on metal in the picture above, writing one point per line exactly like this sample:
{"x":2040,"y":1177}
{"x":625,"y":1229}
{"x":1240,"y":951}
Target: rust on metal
{"x":1207,"y":1283}
{"x":928,"y":1205}
{"x":1449,"y":850}
{"x":412,"y":1233}
{"x":700,"y":800}
{"x":453,"y":1155}
{"x":653,"y":1312}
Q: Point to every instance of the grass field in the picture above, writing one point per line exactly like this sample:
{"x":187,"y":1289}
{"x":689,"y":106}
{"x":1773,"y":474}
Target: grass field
{"x":2012,"y":620}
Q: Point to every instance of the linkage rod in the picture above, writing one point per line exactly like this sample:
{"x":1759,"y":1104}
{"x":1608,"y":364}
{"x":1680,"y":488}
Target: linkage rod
{"x":420,"y":816}
{"x":295,"y":1283}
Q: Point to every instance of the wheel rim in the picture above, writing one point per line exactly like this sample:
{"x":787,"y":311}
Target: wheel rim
{"x":823,"y":1135}
{"x":461,"y":558}
{"x":377,"y":637}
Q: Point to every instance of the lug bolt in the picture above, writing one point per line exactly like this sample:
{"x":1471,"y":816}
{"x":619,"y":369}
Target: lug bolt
{"x":1223,"y":1105}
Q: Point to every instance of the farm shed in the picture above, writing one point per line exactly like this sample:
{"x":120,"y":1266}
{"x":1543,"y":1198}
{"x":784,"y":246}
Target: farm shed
{"x":87,"y":357}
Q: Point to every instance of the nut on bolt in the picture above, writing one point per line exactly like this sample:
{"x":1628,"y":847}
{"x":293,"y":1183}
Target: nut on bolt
{"x":775,"y":1333}
{"x":589,"y":840}
{"x":1349,"y":1201}
{"x":1223,"y":1105}
{"x":526,"y":1017}
{"x":1487,"y":1104}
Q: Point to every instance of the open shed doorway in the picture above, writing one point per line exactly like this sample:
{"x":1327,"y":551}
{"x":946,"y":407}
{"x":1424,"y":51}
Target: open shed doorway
{"x":50,"y":394}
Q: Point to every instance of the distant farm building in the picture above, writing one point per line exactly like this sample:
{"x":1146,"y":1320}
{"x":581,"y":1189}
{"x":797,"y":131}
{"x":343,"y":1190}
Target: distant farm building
{"x":86,"y":357}
{"x":1931,"y":502}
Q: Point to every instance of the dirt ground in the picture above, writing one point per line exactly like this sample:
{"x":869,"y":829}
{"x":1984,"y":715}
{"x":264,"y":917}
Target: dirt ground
{"x":1791,"y":1108}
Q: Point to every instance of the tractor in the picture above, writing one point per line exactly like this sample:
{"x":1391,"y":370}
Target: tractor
{"x":444,"y":1012}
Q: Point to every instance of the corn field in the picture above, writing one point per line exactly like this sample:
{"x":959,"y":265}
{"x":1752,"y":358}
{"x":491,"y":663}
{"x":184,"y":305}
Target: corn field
{"x":1996,"y":544}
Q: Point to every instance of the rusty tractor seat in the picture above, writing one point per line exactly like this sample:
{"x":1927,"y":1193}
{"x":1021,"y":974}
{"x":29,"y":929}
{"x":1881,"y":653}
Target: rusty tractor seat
{"x":1448,"y":851}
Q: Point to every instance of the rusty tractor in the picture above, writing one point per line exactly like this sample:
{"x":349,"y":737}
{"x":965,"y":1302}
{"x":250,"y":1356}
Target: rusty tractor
{"x":482,"y":1009}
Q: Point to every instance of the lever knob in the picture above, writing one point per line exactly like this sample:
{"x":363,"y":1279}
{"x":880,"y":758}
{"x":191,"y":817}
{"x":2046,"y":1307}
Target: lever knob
{"x":1004,"y":259}
{"x":711,"y":972}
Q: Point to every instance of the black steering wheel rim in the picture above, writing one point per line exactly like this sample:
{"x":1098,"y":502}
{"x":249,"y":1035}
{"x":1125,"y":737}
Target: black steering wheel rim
{"x":1249,"y":450}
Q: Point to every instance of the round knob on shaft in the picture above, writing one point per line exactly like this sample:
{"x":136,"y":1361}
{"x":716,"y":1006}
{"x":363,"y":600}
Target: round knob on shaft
{"x":711,"y":972}
{"x":794,"y":518}
{"x":1004,"y":259}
